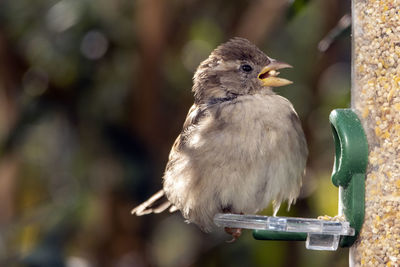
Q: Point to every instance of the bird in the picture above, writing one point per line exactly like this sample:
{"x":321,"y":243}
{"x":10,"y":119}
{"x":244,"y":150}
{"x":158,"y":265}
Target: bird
{"x":242,"y":145}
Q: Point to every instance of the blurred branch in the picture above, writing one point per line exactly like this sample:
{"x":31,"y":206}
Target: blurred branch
{"x":261,"y":18}
{"x":342,"y":28}
{"x":8,"y":112}
{"x":8,"y":172}
{"x":8,"y":83}
{"x":151,"y":24}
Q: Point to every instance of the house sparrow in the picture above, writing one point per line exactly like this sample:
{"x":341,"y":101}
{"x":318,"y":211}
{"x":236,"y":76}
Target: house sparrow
{"x":241,"y":147}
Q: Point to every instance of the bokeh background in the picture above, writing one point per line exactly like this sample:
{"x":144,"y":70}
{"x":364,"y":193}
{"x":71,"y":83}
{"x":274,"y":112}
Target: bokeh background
{"x":92,"y":96}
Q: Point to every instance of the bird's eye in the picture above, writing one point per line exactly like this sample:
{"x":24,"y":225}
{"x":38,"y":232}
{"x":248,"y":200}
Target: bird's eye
{"x":246,"y":68}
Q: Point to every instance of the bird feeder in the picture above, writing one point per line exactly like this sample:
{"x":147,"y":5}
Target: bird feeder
{"x":375,"y":97}
{"x":351,"y":157}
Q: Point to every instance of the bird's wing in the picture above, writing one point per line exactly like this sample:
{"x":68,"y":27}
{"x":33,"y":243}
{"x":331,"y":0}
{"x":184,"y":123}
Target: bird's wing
{"x":159,"y":202}
{"x":195,"y":115}
{"x":155,"y":204}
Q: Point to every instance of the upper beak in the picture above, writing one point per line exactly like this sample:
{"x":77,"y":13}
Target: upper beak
{"x":268,"y":75}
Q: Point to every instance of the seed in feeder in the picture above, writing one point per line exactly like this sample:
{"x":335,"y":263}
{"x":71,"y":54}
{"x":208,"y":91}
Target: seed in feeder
{"x":376,"y":91}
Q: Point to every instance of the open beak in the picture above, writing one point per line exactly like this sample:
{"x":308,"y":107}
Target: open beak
{"x":268,"y":75}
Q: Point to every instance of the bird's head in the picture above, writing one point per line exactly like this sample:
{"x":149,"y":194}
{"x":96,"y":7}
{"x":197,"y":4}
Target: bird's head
{"x":236,"y":67}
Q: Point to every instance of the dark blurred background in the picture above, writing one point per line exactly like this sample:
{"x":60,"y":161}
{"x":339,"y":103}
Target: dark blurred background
{"x":92,"y":96}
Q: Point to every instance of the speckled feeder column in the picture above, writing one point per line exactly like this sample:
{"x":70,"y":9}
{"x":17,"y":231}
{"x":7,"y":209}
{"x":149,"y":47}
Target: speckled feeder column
{"x":376,"y":99}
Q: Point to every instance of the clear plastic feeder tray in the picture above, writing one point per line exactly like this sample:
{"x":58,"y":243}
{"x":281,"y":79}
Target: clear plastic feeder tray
{"x":321,"y":234}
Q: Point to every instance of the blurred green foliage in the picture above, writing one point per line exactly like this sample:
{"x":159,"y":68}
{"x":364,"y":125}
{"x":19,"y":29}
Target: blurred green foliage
{"x":92,"y":95}
{"x":296,"y":7}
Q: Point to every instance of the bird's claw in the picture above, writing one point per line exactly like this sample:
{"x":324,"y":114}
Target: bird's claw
{"x":234,"y":232}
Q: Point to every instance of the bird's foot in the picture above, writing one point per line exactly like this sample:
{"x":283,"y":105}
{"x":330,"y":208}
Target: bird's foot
{"x":234,"y":232}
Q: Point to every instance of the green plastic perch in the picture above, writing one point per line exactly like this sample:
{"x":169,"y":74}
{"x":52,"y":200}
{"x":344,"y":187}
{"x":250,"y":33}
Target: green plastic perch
{"x":351,"y":158}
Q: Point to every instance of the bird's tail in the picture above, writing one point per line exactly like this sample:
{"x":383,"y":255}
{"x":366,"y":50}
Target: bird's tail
{"x":155,"y":204}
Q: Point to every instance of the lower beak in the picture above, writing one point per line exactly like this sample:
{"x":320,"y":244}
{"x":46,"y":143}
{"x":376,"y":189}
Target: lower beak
{"x":268,"y":75}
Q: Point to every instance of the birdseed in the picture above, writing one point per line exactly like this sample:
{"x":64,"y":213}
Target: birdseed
{"x":376,"y":99}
